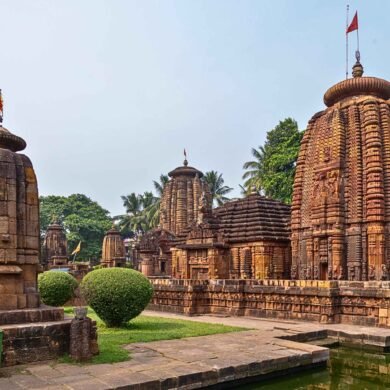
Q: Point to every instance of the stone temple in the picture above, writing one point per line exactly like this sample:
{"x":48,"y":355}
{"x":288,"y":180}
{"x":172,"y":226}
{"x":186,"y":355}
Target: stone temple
{"x":331,"y":262}
{"x":244,"y":239}
{"x":31,"y":331}
{"x":55,"y":246}
{"x":341,"y":202}
{"x":113,"y":249}
{"x":19,"y":226}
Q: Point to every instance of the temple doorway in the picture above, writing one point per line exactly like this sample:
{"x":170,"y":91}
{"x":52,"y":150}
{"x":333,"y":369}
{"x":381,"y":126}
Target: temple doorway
{"x":323,"y":271}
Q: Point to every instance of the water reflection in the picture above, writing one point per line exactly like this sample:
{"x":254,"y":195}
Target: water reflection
{"x":348,"y":369}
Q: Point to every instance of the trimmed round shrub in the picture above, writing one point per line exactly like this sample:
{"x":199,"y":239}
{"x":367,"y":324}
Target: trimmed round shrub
{"x":56,"y":287}
{"x":116,"y":294}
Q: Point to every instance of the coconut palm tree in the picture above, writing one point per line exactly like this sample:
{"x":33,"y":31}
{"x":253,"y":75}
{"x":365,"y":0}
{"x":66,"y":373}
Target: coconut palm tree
{"x":130,"y":221}
{"x":254,"y":170}
{"x":153,"y":211}
{"x":217,"y":188}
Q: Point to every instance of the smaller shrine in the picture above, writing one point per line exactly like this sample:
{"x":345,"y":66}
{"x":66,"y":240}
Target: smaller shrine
{"x":55,"y":246}
{"x":113,"y":250}
{"x":154,"y":249}
{"x":243,"y":239}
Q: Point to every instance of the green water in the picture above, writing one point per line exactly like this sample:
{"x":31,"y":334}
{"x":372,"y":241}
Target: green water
{"x":348,"y":369}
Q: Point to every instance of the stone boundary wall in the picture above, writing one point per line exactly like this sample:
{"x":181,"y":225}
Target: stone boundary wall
{"x":359,"y":303}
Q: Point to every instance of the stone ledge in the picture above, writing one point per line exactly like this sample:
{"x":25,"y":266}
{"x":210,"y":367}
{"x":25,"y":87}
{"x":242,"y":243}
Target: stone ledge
{"x":23,"y":316}
{"x":26,"y":343}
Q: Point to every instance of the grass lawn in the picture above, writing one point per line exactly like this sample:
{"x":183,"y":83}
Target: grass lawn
{"x":144,"y":329}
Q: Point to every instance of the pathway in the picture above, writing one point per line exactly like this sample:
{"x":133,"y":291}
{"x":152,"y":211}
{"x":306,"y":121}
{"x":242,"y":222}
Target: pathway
{"x":196,"y":362}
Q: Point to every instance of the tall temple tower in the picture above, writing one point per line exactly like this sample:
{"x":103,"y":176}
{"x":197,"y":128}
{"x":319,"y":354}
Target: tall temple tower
{"x":341,"y":200}
{"x":181,"y":199}
{"x":19,"y":226}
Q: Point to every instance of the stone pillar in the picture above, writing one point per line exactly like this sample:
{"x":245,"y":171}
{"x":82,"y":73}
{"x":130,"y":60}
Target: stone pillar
{"x":83,"y":336}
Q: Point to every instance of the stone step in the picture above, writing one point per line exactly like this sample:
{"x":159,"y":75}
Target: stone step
{"x":22,"y":316}
{"x":32,"y":342}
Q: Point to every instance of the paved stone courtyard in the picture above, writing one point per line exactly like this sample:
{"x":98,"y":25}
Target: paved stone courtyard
{"x":196,"y":362}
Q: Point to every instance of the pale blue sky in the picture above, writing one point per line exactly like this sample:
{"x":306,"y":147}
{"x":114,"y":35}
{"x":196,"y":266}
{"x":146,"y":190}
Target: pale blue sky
{"x":108,"y":93}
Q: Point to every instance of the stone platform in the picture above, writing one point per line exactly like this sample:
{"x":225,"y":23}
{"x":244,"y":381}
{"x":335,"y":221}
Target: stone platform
{"x":32,"y":335}
{"x":271,"y":347}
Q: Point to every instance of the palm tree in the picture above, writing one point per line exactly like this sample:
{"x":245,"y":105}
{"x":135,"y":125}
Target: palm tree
{"x":217,"y":188}
{"x":153,"y":211}
{"x":130,"y":222}
{"x":159,"y":186}
{"x":254,"y":168}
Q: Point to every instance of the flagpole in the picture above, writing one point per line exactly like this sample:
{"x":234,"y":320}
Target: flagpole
{"x":346,"y":45}
{"x":357,"y":35}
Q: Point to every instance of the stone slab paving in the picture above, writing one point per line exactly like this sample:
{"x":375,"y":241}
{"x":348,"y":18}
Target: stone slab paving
{"x":192,"y":363}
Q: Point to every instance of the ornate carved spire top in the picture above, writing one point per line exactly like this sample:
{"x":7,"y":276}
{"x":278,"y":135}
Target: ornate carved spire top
{"x":11,"y":141}
{"x":357,"y":69}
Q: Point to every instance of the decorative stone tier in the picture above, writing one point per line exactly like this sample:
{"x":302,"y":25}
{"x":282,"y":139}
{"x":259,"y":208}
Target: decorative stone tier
{"x":359,"y":303}
{"x":254,"y":218}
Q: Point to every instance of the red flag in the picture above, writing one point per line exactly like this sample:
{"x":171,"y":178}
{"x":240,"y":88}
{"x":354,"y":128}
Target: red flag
{"x":354,"y":24}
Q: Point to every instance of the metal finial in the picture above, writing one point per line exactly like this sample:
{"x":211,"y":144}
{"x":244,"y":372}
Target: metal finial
{"x":185,"y":158}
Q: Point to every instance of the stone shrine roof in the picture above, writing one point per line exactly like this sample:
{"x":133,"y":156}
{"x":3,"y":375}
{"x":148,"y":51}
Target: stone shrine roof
{"x":11,"y":141}
{"x":253,"y":218}
{"x":355,"y":87}
{"x":185,"y":170}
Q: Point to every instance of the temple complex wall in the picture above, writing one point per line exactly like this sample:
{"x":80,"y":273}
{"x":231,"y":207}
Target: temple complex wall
{"x":359,"y":303}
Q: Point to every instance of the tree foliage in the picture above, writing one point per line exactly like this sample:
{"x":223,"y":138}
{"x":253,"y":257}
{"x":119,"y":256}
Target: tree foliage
{"x":218,"y":190}
{"x":83,"y":219}
{"x":116,"y":294}
{"x":56,"y":287}
{"x":273,"y":168}
{"x":142,"y":211}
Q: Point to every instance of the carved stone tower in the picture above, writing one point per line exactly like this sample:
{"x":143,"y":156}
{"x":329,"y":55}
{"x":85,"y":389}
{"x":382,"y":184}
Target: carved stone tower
{"x":180,"y":202}
{"x":113,"y":251}
{"x":341,"y":201}
{"x":55,"y":245}
{"x":19,"y":226}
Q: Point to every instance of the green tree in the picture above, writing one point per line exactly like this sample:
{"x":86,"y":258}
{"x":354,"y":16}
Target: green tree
{"x":142,"y":210}
{"x":273,"y":168}
{"x":83,"y":219}
{"x":153,"y":211}
{"x":218,"y":190}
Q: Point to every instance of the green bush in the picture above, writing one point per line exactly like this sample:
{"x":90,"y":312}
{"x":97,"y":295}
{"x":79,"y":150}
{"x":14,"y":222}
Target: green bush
{"x":116,"y":294}
{"x":56,"y":287}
